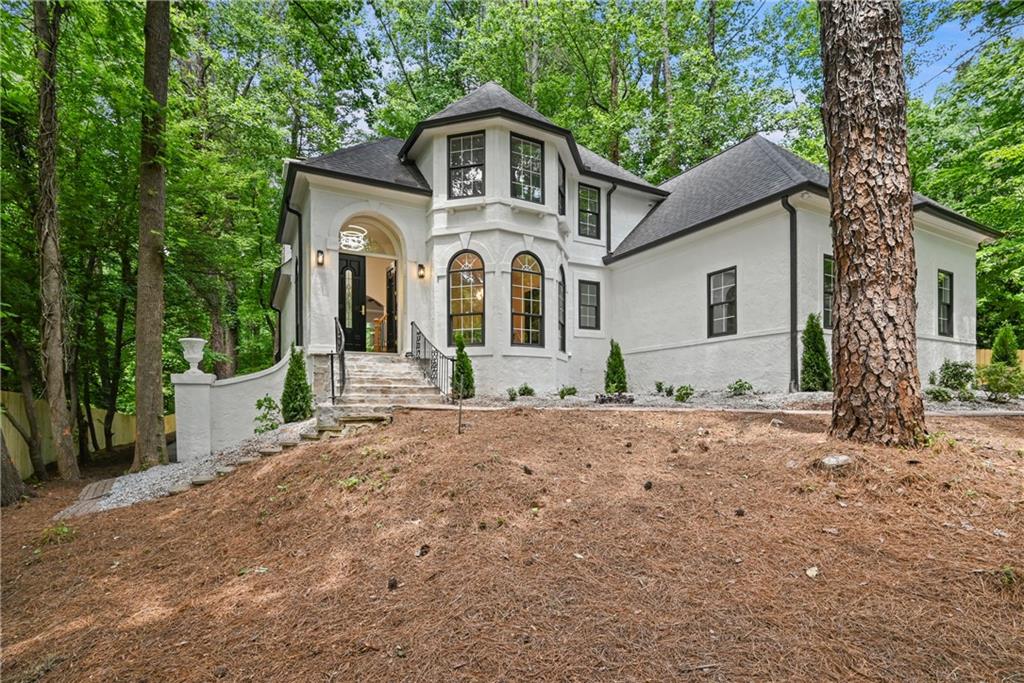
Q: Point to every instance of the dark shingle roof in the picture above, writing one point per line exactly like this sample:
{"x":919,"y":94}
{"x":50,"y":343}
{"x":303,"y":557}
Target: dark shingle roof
{"x":489,"y":97}
{"x":375,"y":162}
{"x":753,"y":172}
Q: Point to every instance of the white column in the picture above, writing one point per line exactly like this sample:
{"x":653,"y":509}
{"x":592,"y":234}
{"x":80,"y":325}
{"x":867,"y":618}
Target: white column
{"x":192,"y":391}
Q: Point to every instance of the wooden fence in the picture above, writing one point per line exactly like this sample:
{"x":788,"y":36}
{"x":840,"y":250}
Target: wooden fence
{"x":984,"y":357}
{"x":14,"y":403}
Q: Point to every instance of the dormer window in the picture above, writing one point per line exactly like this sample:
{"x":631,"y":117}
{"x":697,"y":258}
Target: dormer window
{"x":466,"y":165}
{"x":527,"y":159}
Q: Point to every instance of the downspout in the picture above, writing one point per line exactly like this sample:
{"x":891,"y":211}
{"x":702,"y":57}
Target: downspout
{"x":794,"y":371}
{"x":608,"y":236}
{"x":298,"y":275}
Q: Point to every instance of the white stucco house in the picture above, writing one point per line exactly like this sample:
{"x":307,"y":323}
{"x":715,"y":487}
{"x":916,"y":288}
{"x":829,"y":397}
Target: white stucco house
{"x":491,"y":221}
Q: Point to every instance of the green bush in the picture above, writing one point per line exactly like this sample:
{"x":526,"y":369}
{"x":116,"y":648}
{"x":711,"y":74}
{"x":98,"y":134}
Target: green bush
{"x":939,"y":394}
{"x":965,"y":395}
{"x":659,"y":387}
{"x":526,"y":390}
{"x":740,"y":387}
{"x":297,"y":398}
{"x":933,"y":378}
{"x":669,"y":390}
{"x":815,"y":372}
{"x":512,"y":393}
{"x":463,"y":382}
{"x":683,"y":393}
{"x":955,"y":375}
{"x":566,"y":391}
{"x":1001,"y":381}
{"x":268,"y":417}
{"x":615,"y":372}
{"x":1004,"y":348}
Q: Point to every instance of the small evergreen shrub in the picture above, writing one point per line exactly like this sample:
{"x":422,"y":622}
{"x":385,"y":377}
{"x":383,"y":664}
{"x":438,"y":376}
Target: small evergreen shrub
{"x":815,"y":372}
{"x":939,"y":394}
{"x":1004,"y":348}
{"x":659,"y":387}
{"x":297,"y":397}
{"x":526,"y":390}
{"x":268,"y":417}
{"x":566,"y":391}
{"x":1001,"y":381}
{"x":683,"y":393}
{"x":955,"y":375}
{"x":615,"y":371}
{"x":512,"y":393}
{"x":965,"y":395}
{"x":933,"y":378}
{"x":670,"y":390}
{"x":740,"y":387}
{"x":463,"y":382}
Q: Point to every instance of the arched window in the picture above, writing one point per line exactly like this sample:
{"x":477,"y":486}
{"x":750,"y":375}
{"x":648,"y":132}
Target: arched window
{"x":527,"y":300}
{"x":561,"y":309}
{"x":466,"y":298}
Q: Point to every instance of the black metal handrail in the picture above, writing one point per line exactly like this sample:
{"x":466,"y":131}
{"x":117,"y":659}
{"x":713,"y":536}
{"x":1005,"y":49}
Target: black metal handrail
{"x":436,"y":366}
{"x":339,"y":353}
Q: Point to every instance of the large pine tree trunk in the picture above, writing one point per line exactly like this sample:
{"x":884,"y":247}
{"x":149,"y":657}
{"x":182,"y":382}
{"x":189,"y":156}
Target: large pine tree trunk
{"x":46,"y":17}
{"x":35,"y":439}
{"x":874,"y":339}
{"x":12,"y":488}
{"x":150,"y":445}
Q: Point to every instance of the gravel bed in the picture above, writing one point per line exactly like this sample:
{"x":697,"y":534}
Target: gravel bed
{"x":157,"y":482}
{"x":719,"y":400}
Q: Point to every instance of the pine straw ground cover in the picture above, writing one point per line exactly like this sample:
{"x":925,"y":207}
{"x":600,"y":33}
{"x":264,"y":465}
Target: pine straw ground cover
{"x":549,"y":559}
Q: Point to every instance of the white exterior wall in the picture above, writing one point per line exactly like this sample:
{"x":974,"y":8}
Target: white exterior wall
{"x":660,"y":312}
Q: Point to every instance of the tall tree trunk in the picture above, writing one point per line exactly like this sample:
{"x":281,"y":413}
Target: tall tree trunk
{"x":12,"y":488}
{"x":46,"y":17}
{"x":113,"y":382}
{"x":35,"y":439}
{"x":614,"y":151}
{"x":666,"y":72}
{"x":150,"y":445}
{"x":533,"y":50}
{"x":874,"y":340}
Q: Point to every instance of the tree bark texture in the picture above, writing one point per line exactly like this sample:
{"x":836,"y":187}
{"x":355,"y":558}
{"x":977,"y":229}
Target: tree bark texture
{"x":12,"y":488}
{"x":150,"y":444}
{"x":46,"y":20}
{"x":874,"y":340}
{"x":33,"y":437}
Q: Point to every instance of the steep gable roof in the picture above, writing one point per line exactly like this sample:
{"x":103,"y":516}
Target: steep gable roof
{"x":375,"y":162}
{"x":749,"y":174}
{"x":490,"y":97}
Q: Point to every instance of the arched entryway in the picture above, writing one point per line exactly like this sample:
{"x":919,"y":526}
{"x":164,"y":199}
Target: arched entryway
{"x":371,"y":284}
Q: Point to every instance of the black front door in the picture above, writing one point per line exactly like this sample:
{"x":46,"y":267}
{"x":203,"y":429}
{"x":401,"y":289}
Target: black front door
{"x":392,"y":290}
{"x":352,"y":300}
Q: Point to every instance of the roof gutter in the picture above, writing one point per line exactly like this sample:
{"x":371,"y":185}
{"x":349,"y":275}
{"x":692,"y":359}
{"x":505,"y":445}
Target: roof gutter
{"x":608,"y":231}
{"x":794,"y":371}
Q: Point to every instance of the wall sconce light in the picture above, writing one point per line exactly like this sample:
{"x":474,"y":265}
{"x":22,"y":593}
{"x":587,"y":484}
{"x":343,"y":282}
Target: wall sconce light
{"x":421,"y":271}
{"x":319,"y":257}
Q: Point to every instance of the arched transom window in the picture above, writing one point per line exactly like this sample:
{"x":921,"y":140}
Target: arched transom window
{"x":527,"y":300}
{"x":466,"y":298}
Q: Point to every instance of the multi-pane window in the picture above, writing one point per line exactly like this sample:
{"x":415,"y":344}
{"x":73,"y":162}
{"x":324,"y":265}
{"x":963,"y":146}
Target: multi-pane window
{"x":722,"y":302}
{"x":561,"y":187}
{"x":527,"y":159}
{"x":466,"y":298}
{"x":527,"y":301}
{"x":466,"y":165}
{"x":828,"y":291}
{"x":589,"y":303}
{"x":945,"y":303}
{"x":561,"y":309}
{"x":590,"y":211}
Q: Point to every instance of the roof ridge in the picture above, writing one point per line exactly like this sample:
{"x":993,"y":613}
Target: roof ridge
{"x":780,"y":160}
{"x":713,"y":156}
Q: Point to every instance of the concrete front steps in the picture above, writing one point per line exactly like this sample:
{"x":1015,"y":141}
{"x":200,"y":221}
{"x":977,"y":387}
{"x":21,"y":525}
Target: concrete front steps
{"x":374,"y":384}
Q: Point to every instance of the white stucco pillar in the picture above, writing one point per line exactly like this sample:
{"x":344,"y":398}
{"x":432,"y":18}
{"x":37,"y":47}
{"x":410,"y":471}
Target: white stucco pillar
{"x":192,"y":391}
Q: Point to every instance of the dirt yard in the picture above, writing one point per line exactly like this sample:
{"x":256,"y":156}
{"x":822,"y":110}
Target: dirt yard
{"x":542,"y":546}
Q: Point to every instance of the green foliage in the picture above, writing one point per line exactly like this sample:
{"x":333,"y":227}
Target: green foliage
{"x":615,"y":371}
{"x":268,"y":416}
{"x":955,"y":375}
{"x":659,"y":387}
{"x":670,"y":390}
{"x":57,"y":533}
{"x":463,"y":382}
{"x":1001,"y":381}
{"x":815,"y":371}
{"x":566,"y":391}
{"x":939,"y":394}
{"x":512,"y":393}
{"x":965,"y":395}
{"x":297,"y":397}
{"x":683,"y":393}
{"x":740,"y":387}
{"x":525,"y":390}
{"x":1004,"y":348}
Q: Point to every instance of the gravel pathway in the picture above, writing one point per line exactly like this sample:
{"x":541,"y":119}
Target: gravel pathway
{"x":157,"y":482}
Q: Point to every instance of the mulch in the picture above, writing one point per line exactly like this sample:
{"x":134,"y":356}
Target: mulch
{"x":544,"y":545}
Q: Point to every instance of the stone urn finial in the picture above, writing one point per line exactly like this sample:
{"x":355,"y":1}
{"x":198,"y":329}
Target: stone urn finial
{"x":193,"y":351}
